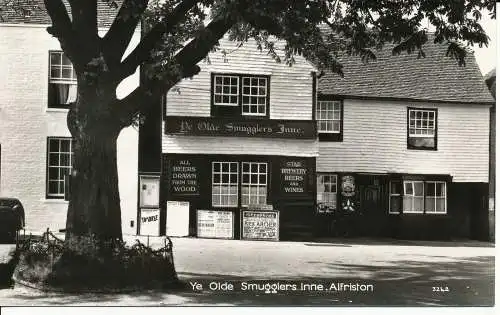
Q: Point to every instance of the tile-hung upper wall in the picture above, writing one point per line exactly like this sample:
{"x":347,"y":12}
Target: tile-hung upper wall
{"x":291,"y":96}
{"x":375,"y":140}
{"x":26,"y":122}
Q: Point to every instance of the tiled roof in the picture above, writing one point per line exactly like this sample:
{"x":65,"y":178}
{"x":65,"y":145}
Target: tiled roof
{"x":433,"y":78}
{"x":33,"y":12}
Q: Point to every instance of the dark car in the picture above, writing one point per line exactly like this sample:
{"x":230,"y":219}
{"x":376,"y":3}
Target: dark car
{"x":11,"y":217}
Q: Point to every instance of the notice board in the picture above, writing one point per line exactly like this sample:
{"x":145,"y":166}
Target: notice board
{"x":150,"y":222}
{"x":177,"y":218}
{"x":260,"y":225}
{"x":215,"y":224}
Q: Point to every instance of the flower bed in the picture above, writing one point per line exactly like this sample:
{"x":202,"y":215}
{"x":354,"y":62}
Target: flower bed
{"x":88,"y":265}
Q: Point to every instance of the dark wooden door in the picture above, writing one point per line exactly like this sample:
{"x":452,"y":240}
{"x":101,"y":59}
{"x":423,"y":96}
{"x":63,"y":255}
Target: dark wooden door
{"x":371,"y":209}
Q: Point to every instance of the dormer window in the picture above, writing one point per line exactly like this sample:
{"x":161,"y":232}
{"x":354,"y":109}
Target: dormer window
{"x":62,"y":81}
{"x":236,"y":95}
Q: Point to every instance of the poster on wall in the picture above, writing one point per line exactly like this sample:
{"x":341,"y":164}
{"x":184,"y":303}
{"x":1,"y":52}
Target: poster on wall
{"x":260,"y":225}
{"x":150,"y":222}
{"x":150,"y":191}
{"x":215,"y":224}
{"x":184,"y":178}
{"x":177,"y":218}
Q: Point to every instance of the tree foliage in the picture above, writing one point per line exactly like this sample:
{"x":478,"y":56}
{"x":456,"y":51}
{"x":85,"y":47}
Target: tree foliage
{"x":316,"y":29}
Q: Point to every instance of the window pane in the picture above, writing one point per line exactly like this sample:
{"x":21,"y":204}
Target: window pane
{"x":429,"y":204}
{"x":407,"y":203}
{"x":408,"y":188}
{"x":419,"y":203}
{"x":419,"y":188}
{"x":440,"y":189}
{"x":395,"y":188}
{"x":440,"y":205}
{"x":430,"y":189}
{"x":395,"y":204}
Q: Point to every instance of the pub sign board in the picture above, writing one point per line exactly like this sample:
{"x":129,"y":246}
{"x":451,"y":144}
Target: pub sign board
{"x":183,"y":175}
{"x":260,"y":225}
{"x":237,"y":127}
{"x":294,"y":175}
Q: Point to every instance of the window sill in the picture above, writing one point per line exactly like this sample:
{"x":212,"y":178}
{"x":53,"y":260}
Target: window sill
{"x":54,"y":201}
{"x":56,"y":110}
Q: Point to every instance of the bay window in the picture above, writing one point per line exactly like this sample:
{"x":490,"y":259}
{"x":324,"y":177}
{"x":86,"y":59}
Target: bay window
{"x":417,"y":196}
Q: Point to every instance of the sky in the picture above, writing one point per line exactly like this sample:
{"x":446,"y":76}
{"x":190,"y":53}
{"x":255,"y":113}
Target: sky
{"x":486,"y":57}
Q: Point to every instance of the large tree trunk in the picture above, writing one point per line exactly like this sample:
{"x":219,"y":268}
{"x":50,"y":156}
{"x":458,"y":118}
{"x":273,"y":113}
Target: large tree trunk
{"x":94,"y":204}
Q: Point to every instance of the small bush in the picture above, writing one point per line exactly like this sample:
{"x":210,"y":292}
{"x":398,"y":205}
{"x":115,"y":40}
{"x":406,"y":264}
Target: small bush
{"x":91,"y":265}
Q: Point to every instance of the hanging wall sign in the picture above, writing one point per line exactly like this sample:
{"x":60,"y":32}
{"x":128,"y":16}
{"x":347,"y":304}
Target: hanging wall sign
{"x":215,"y":224}
{"x":348,"y":192}
{"x":348,"y":187}
{"x":260,"y":225}
{"x":184,"y":178}
{"x":293,"y":175}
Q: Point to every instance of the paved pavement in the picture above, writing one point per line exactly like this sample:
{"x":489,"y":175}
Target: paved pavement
{"x":383,"y":272}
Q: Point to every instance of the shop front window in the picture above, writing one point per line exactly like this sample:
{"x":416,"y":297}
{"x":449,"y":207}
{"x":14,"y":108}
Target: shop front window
{"x":395,"y":197}
{"x":224,"y":184}
{"x":417,"y":196}
{"x":254,"y":183}
{"x":435,"y":197}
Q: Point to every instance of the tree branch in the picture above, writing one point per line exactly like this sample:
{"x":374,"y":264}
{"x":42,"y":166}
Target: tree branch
{"x":141,"y":53}
{"x":84,"y":14}
{"x":84,"y":18}
{"x":117,"y":38}
{"x":62,"y":27}
{"x":185,"y":60}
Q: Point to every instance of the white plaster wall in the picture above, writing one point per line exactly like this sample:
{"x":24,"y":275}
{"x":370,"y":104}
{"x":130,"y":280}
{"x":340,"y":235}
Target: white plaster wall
{"x":26,"y":122}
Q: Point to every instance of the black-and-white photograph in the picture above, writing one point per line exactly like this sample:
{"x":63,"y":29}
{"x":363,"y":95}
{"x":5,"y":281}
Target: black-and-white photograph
{"x":248,"y":153}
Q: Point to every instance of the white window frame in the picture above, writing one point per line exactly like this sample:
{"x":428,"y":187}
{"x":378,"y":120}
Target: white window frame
{"x":250,"y":184}
{"x":60,"y":66}
{"x":392,"y":194}
{"x":429,"y":128}
{"x":322,"y":113}
{"x":405,"y":194}
{"x":60,"y":192}
{"x":255,"y":96}
{"x":222,"y":94}
{"x":319,"y":181}
{"x":221,"y":184}
{"x":436,"y":197}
